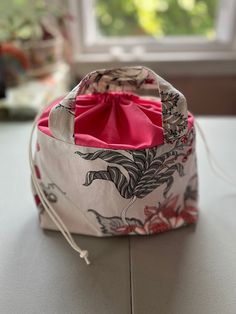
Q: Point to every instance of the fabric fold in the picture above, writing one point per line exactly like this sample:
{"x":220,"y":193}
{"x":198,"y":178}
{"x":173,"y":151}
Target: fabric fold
{"x":114,"y":121}
{"x":118,"y":120}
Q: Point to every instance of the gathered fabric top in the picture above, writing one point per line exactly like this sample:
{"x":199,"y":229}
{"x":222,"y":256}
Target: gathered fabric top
{"x":114,"y":120}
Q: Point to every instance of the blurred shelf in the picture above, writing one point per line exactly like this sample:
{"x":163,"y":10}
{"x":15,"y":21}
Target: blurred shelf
{"x":25,"y":100}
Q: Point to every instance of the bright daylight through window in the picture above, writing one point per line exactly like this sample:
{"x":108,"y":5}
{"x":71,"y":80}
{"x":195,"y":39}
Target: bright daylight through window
{"x":156,"y":18}
{"x":150,"y":31}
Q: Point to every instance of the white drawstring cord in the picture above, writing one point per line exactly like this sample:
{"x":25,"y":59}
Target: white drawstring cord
{"x":59,"y":223}
{"x":47,"y":206}
{"x":90,"y":223}
{"x":216,"y":168}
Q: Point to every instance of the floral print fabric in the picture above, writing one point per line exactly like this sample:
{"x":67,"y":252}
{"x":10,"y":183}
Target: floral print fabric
{"x":119,"y":192}
{"x":104,"y":191}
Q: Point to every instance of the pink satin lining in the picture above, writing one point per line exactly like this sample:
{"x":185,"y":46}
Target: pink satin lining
{"x":115,"y":121}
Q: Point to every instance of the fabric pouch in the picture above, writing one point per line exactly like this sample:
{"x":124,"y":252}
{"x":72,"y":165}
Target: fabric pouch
{"x":115,"y":157}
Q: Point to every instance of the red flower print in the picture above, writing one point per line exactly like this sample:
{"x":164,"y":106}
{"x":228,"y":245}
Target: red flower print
{"x":189,"y":151}
{"x":37,"y":200}
{"x":189,"y":214}
{"x":149,"y":81}
{"x":184,"y":139}
{"x":161,"y":218}
{"x":150,"y":210}
{"x":169,"y":207}
{"x":165,"y":217}
{"x":159,"y":227}
{"x":126,"y":229}
{"x":171,"y":213}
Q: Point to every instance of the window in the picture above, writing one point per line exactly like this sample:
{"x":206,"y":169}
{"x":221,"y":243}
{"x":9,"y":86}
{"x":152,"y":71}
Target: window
{"x":147,"y":31}
{"x":155,"y":18}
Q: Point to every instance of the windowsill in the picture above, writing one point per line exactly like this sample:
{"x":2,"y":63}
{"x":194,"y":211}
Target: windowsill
{"x":171,"y":63}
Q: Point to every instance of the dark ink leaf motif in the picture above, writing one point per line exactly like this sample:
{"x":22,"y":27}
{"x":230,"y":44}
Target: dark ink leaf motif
{"x":191,"y":192}
{"x":110,"y":225}
{"x":68,"y":109}
{"x":174,"y":122}
{"x":146,"y":171}
{"x":121,"y":78}
{"x":169,"y":101}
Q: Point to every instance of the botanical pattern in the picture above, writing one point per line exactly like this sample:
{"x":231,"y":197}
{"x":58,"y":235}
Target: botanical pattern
{"x":48,"y":190}
{"x":146,"y":170}
{"x":124,"y":79}
{"x":191,"y":192}
{"x":174,"y":122}
{"x":49,"y":193}
{"x":160,"y":218}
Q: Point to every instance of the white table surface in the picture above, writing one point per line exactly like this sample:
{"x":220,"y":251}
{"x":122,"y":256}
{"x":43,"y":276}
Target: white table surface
{"x":188,"y":271}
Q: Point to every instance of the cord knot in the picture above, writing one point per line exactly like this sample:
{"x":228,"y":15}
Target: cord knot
{"x":84,"y":254}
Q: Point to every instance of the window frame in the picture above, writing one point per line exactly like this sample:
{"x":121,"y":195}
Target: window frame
{"x":89,"y":50}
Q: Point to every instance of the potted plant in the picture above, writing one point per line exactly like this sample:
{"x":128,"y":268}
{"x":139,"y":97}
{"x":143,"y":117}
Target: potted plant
{"x":32,"y":27}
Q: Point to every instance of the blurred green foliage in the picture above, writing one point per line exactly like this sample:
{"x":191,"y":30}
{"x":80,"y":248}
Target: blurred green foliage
{"x":156,"y":18}
{"x":23,"y":19}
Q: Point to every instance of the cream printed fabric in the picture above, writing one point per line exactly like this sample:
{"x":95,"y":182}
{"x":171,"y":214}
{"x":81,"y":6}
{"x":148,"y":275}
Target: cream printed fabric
{"x":114,"y":192}
{"x":110,"y":192}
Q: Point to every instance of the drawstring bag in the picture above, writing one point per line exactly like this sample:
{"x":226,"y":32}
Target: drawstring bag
{"x":109,"y":162}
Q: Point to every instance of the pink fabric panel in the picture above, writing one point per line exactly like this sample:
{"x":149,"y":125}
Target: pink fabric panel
{"x":118,"y":120}
{"x":115,"y":121}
